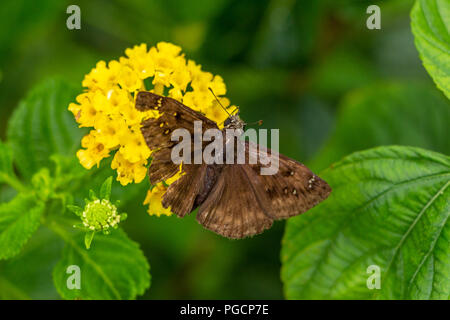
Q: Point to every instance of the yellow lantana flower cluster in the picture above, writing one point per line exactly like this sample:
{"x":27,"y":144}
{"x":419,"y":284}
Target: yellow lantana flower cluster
{"x":107,"y":105}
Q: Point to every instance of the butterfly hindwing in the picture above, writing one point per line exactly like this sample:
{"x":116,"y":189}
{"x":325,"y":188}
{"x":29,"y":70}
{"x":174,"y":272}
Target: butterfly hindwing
{"x":232,"y":209}
{"x":244,"y":202}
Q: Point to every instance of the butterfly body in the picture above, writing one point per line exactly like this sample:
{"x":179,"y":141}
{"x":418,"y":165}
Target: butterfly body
{"x":234,"y":122}
{"x":234,"y":200}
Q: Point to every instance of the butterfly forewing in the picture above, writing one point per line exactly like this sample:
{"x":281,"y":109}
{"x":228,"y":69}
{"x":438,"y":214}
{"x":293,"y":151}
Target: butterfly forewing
{"x":292,"y":190}
{"x":157,"y":131}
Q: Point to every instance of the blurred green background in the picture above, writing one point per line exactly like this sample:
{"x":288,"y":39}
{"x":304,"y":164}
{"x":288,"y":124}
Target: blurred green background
{"x":297,"y":65}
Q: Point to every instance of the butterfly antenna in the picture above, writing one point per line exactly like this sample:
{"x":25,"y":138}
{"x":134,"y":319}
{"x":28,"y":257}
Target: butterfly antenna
{"x":219,"y":101}
{"x":259,"y":123}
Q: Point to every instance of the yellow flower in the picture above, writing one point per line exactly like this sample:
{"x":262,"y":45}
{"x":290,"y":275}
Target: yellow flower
{"x":95,"y":151}
{"x":134,"y":148}
{"x":107,"y":106}
{"x":155,"y":194}
{"x":139,"y":60}
{"x":129,"y":79}
{"x":217,"y":113}
{"x":128,"y":171}
{"x":154,"y":199}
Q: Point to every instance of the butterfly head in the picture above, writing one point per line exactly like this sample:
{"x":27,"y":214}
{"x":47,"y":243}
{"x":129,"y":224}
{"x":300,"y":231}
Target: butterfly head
{"x":234,"y":122}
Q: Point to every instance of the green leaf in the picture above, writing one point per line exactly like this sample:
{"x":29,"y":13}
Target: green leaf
{"x":8,"y":291}
{"x":6,"y":168}
{"x":43,"y":184}
{"x":42,"y":126}
{"x":19,"y":219}
{"x":88,"y":237}
{"x":389,"y":207}
{"x":430,"y":23}
{"x":92,"y":195}
{"x":394,"y":113}
{"x":75,"y":209}
{"x":113,"y":268}
{"x":7,"y":174}
{"x":29,"y":274}
{"x":105,"y":190}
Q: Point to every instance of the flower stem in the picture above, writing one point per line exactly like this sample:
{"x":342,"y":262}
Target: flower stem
{"x":13,"y":182}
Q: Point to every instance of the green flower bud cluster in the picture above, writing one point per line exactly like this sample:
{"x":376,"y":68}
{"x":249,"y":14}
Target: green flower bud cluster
{"x":98,"y":214}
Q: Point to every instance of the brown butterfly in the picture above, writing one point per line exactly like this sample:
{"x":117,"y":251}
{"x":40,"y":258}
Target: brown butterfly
{"x":233,"y":200}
